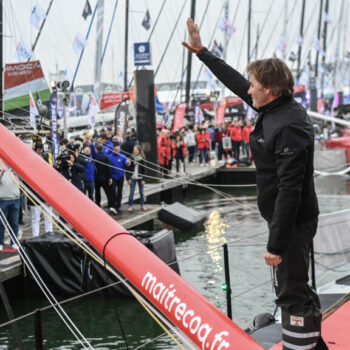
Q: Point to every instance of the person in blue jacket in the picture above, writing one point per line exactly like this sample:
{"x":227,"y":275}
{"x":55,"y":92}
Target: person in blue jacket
{"x":89,"y":172}
{"x":119,"y":164}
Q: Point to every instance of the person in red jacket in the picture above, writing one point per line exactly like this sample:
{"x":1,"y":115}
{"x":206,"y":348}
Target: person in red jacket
{"x":203,"y":139}
{"x":236,"y":137}
{"x":246,"y":132}
{"x":179,"y":152}
{"x":164,"y":150}
{"x":218,"y":135}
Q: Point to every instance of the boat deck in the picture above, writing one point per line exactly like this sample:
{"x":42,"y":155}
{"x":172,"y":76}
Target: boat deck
{"x":335,"y":329}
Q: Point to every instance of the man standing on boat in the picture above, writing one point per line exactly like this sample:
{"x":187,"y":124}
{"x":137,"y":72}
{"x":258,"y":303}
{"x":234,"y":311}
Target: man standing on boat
{"x":282,"y":145}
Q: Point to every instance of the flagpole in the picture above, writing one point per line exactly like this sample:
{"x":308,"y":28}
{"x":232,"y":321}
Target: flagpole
{"x":82,"y":51}
{"x":41,"y":27}
{"x":301,"y":36}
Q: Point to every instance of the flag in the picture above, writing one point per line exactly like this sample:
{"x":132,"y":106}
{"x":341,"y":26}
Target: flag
{"x":121,"y":121}
{"x":292,"y":57}
{"x":93,"y":109}
{"x":179,"y":117}
{"x":146,"y":22}
{"x":226,"y":26}
{"x":33,"y":111}
{"x":23,"y":52}
{"x":299,"y":40}
{"x":87,"y":10}
{"x":37,"y":15}
{"x":198,"y":114}
{"x":282,"y":45}
{"x":217,"y":49}
{"x":79,"y":43}
{"x":317,"y":45}
{"x":53,"y":125}
{"x":210,"y":79}
{"x":327,"y":18}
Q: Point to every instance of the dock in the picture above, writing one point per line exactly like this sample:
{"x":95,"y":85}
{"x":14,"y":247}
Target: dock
{"x":10,"y":262}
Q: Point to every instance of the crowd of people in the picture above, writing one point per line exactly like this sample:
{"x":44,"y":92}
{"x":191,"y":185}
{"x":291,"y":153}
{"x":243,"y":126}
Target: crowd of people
{"x":225,"y":140}
{"x":100,"y":161}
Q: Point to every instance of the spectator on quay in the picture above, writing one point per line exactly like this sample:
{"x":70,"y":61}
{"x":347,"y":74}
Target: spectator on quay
{"x":107,"y":144}
{"x":9,"y":202}
{"x":128,"y":146}
{"x":236,"y":137}
{"x":109,"y":133}
{"x":35,"y":207}
{"x":245,"y":135}
{"x":203,"y":139}
{"x":103,"y":176}
{"x":118,"y":161}
{"x":179,"y":152}
{"x":218,"y":135}
{"x":211,"y":131}
{"x":164,"y":151}
{"x":136,"y":169}
{"x":190,"y":141}
{"x":89,"y":181}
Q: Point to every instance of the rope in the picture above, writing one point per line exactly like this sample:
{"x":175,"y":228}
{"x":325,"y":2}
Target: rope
{"x":149,"y":308}
{"x":60,"y":311}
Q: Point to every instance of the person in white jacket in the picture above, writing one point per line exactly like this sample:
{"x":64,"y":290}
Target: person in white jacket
{"x":9,"y":202}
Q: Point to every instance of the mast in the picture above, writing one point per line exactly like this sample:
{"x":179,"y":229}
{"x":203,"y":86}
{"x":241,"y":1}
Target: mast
{"x":324,"y":45}
{"x":318,"y":37}
{"x":285,"y":29}
{"x":249,"y":29}
{"x":226,"y":10}
{"x":98,"y":48}
{"x":126,"y":45}
{"x":189,"y":59}
{"x":300,"y":38}
{"x":336,"y":78}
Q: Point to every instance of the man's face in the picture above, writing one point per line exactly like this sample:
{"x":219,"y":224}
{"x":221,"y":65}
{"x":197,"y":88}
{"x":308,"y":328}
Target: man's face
{"x":259,"y":93}
{"x":116,"y":149}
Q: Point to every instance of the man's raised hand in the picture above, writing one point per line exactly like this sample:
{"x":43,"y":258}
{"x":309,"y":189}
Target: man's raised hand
{"x":194,"y":39}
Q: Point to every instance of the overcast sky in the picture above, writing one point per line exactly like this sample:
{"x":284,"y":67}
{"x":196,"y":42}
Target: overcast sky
{"x":55,"y":51}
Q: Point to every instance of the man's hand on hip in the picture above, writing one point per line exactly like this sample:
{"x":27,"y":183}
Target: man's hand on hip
{"x":272,"y":259}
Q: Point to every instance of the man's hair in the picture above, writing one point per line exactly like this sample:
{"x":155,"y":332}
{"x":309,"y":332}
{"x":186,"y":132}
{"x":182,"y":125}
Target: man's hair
{"x":273,"y":73}
{"x":99,"y":147}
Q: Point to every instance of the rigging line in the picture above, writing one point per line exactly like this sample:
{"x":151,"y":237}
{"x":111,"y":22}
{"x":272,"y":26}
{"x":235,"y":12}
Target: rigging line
{"x":208,"y":47}
{"x":271,"y":33}
{"x":41,"y":27}
{"x":295,"y":27}
{"x":233,"y":22}
{"x":268,"y":13}
{"x":65,"y":318}
{"x":109,"y":31}
{"x":89,"y":251}
{"x":185,"y":69}
{"x":169,"y":40}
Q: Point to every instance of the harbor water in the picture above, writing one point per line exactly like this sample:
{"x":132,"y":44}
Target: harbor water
{"x":233,"y":221}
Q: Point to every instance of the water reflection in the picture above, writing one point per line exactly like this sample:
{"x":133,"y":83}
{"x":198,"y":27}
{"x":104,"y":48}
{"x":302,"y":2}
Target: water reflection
{"x":215,"y":229}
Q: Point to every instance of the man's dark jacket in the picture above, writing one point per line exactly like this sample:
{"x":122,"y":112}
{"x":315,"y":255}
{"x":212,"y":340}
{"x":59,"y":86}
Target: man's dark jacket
{"x":282,"y":144}
{"x":103,"y":170}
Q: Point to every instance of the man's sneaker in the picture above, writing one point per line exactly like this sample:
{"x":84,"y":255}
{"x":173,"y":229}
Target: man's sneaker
{"x":113,"y":211}
{"x":20,"y":234}
{"x":1,"y":247}
{"x":14,"y":246}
